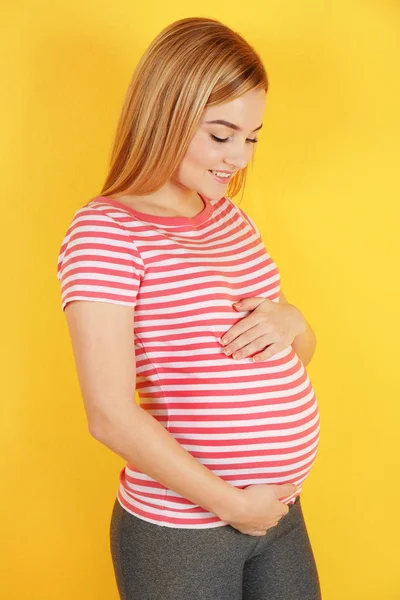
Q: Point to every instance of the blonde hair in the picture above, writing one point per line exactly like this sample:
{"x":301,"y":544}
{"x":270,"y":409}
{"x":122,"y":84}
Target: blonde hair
{"x":192,"y":63}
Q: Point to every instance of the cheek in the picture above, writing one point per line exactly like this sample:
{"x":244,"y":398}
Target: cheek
{"x":203,"y":152}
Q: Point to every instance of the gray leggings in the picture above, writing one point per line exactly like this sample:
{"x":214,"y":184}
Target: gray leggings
{"x":153,"y":562}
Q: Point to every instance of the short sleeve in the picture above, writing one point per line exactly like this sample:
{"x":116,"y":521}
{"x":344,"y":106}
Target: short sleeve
{"x":251,"y":223}
{"x":271,"y":266}
{"x":246,"y":218}
{"x":98,"y":261}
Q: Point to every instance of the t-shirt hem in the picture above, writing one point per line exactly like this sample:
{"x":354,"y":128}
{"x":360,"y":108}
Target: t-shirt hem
{"x":172,"y":525}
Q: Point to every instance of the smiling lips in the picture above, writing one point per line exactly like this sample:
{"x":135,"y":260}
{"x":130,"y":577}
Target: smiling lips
{"x":222,"y":176}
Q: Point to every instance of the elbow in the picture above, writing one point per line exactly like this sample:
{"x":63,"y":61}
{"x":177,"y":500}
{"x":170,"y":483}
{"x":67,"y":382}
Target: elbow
{"x":98,"y":431}
{"x":105,"y":426}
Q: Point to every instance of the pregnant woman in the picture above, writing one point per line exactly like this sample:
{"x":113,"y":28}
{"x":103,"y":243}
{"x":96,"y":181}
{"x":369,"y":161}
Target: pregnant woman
{"x":168,"y":289}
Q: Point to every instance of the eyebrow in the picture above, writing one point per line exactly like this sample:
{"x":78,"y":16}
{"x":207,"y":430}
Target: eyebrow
{"x":231,"y":125}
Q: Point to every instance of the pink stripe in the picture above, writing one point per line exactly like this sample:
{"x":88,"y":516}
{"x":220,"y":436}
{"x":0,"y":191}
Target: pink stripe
{"x":182,"y":277}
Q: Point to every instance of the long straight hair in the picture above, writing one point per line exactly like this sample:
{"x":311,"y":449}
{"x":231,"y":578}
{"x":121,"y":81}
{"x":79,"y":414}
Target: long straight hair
{"x":193,"y":63}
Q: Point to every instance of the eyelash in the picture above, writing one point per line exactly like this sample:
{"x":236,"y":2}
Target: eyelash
{"x":217,"y":139}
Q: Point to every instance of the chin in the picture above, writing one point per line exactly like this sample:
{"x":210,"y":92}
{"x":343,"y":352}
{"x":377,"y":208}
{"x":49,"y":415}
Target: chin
{"x":211,"y":192}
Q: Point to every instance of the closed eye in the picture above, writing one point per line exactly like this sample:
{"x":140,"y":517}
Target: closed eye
{"x":223,"y":140}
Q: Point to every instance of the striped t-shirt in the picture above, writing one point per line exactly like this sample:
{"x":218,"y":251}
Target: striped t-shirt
{"x":248,"y":422}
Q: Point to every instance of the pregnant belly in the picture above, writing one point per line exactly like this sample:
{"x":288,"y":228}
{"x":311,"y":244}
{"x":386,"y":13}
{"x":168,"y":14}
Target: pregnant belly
{"x":254,"y":426}
{"x":274,"y":443}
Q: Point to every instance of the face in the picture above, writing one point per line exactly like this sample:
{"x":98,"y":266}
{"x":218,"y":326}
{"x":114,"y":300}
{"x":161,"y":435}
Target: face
{"x":222,"y":147}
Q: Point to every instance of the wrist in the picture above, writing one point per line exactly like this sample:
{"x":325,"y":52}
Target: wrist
{"x":234,"y":510}
{"x":301,"y":323}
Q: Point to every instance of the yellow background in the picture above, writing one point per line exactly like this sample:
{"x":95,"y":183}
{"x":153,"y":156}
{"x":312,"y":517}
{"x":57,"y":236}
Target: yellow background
{"x":325,"y":194}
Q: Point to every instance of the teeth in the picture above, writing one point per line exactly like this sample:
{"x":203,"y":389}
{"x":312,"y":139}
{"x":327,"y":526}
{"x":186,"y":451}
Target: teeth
{"x":221,"y":174}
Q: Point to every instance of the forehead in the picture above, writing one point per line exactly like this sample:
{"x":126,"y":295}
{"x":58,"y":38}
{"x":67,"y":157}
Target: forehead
{"x":246,"y":111}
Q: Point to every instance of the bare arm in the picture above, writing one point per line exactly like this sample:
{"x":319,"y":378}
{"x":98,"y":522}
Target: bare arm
{"x":143,"y":442}
{"x":102,"y":341}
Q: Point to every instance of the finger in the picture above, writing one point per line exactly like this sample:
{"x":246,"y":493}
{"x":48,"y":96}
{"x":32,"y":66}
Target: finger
{"x":257,"y":345}
{"x":239,"y":329}
{"x":285,"y":491}
{"x":235,"y":341}
{"x":268,"y":352}
{"x":284,"y":513}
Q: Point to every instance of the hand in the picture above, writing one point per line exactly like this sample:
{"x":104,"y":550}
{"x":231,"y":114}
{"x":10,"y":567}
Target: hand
{"x":270,"y":328}
{"x":261,"y":509}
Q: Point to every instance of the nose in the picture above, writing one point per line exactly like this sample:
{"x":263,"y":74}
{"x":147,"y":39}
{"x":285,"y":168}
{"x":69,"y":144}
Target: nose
{"x":236,"y":165}
{"x":237,"y":158}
